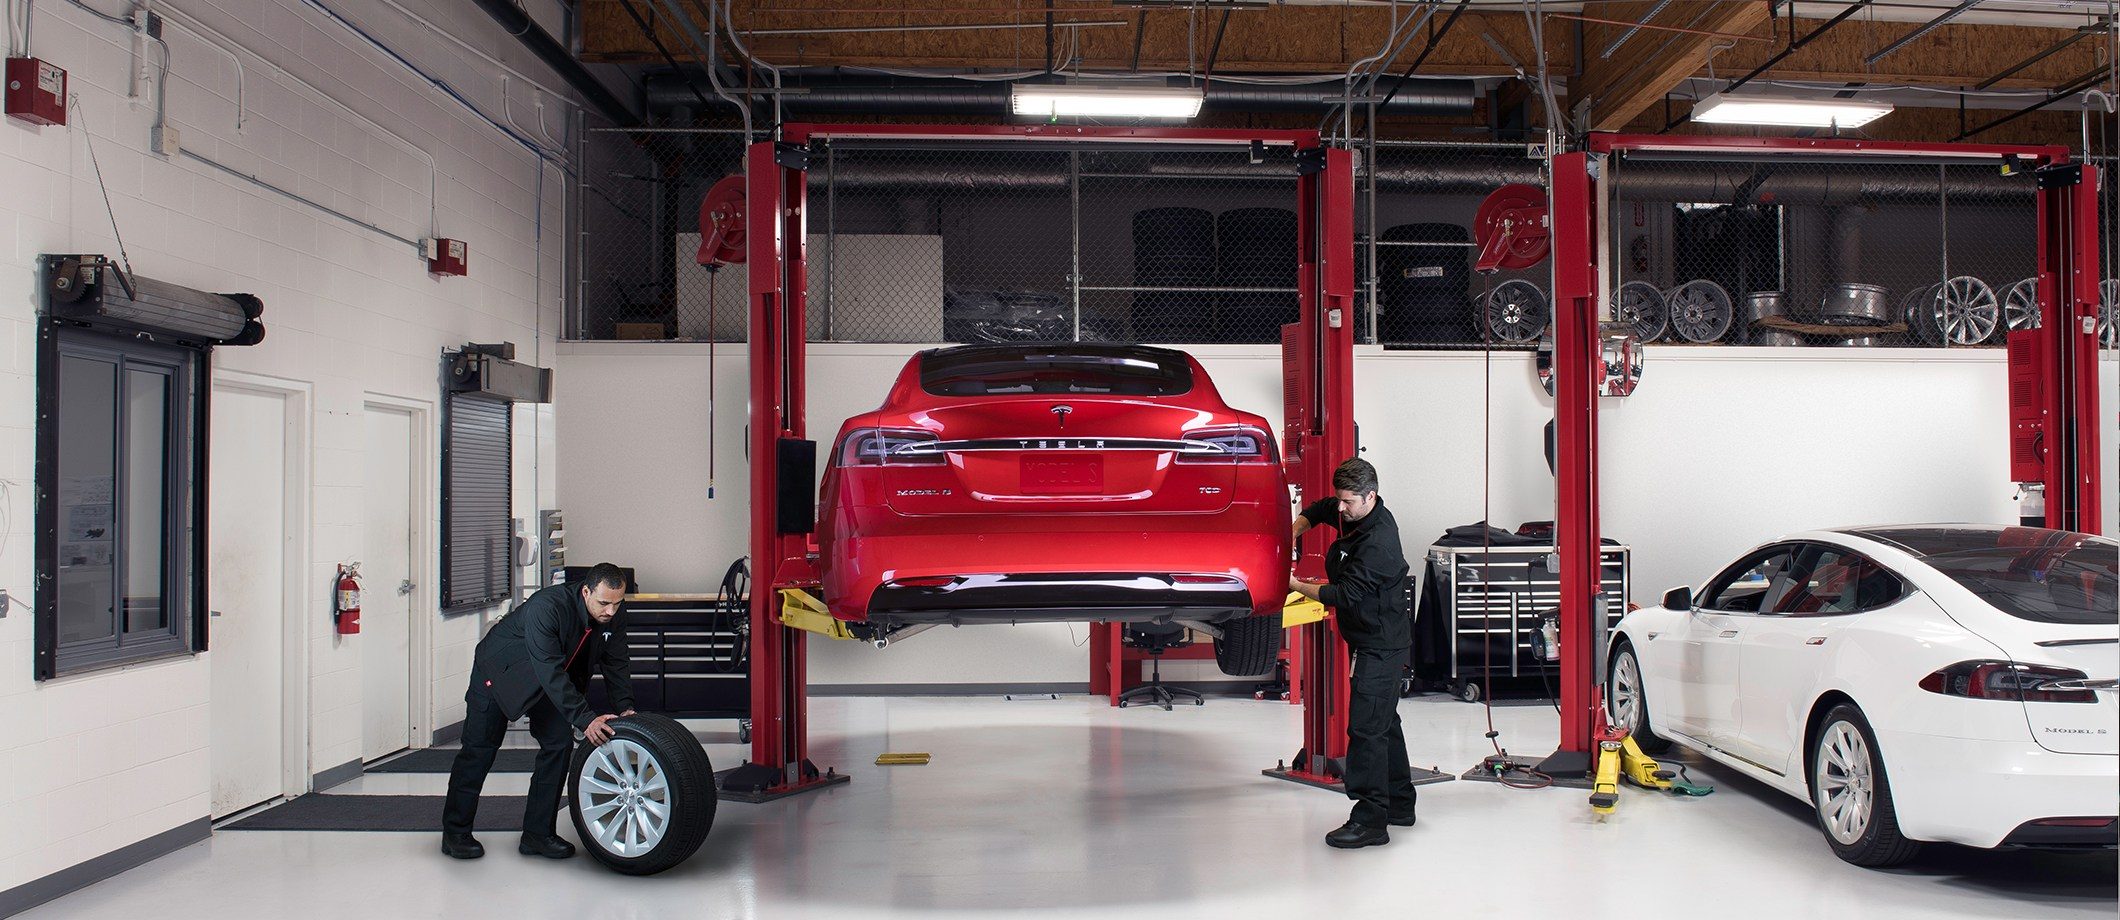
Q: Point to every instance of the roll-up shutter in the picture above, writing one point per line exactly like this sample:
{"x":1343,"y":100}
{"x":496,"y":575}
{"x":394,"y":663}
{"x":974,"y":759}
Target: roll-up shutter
{"x":477,"y":539}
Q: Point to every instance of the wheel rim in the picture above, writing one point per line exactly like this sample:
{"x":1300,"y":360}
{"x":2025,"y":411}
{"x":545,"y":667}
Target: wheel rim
{"x":1517,"y":312}
{"x":1701,"y":311}
{"x":1627,"y":693}
{"x":2020,"y":304}
{"x":1641,"y":305}
{"x":1846,"y":783}
{"x":624,"y":797}
{"x":1966,"y":311}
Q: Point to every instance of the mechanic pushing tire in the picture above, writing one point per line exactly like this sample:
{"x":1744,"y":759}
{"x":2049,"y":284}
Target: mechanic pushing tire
{"x":643,"y":801}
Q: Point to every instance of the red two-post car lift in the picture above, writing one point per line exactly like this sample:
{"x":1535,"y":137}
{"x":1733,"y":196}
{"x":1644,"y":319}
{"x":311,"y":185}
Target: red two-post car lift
{"x":2053,"y":369}
{"x":1318,"y":353}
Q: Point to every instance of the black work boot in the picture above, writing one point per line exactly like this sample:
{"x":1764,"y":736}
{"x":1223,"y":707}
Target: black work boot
{"x":547,"y":847}
{"x":1402,"y":818}
{"x":462,"y":846}
{"x":1352,"y":835}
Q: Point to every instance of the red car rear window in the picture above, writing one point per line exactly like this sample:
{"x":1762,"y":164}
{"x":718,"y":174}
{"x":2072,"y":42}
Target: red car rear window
{"x":1120,"y":370}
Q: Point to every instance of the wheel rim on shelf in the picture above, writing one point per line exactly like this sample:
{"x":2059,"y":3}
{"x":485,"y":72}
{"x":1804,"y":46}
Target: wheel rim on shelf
{"x":1642,"y":306}
{"x":1701,"y":311}
{"x":2020,"y":305}
{"x":1966,"y":311}
{"x":1517,"y":311}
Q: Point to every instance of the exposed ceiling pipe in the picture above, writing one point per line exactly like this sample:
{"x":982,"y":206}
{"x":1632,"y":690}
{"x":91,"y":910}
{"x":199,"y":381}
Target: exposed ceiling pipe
{"x":515,"y":22}
{"x":1919,"y":31}
{"x":869,"y":95}
{"x":1606,"y":54}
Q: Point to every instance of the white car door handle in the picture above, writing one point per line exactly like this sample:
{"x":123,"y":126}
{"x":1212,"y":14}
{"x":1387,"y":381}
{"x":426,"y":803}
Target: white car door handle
{"x":1729,"y":634}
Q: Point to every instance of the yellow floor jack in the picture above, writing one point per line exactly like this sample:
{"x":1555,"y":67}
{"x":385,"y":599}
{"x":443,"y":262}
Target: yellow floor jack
{"x":1619,"y":757}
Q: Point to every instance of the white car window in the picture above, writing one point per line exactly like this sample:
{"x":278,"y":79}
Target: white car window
{"x":1743,"y":587}
{"x":1828,"y":580}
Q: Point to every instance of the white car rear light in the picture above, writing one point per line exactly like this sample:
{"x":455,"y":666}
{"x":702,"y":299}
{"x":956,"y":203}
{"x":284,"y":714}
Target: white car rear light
{"x":2008,"y":680}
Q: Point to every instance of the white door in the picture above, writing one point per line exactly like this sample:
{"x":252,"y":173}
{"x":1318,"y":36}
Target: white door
{"x":1708,"y":644}
{"x":246,"y":594}
{"x":1785,"y":650}
{"x":386,"y":582}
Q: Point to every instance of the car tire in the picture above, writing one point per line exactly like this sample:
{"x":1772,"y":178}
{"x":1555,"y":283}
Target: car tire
{"x":1851,"y":795}
{"x":643,"y":801}
{"x":1248,"y":645}
{"x":1627,"y":702}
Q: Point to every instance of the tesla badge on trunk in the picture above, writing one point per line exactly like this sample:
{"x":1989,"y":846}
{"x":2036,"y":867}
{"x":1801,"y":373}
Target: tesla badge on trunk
{"x":1060,"y":412}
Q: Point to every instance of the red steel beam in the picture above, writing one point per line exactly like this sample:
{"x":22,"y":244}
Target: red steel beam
{"x":1576,"y":366}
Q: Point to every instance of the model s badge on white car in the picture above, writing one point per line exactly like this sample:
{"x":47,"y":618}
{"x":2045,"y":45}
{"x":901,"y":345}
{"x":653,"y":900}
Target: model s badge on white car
{"x":1951,"y":682}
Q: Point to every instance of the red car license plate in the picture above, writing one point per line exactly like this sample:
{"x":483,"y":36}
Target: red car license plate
{"x":1063,"y":474}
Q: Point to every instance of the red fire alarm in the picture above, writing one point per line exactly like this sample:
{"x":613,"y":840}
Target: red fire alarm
{"x":36,"y":91}
{"x":446,"y":257}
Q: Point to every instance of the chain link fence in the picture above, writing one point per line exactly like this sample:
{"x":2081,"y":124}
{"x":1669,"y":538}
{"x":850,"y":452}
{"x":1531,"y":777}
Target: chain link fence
{"x":967,"y":242}
{"x":1789,"y":251}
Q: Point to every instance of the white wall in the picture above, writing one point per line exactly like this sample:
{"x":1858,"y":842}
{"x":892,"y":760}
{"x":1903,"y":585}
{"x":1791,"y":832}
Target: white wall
{"x":93,"y":762}
{"x":1720,"y":449}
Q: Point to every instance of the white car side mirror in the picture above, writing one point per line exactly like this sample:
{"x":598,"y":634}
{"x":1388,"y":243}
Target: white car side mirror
{"x":1679,"y":598}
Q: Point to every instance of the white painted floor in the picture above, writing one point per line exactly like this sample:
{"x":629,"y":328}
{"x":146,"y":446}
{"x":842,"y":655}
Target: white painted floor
{"x":1068,"y":808}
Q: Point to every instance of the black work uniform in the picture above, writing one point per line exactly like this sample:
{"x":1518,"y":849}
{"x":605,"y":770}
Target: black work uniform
{"x":1368,"y":591}
{"x":554,"y":632}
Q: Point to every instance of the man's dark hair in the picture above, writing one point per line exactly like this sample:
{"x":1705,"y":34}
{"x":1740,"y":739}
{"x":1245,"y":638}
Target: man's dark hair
{"x":604,"y":574}
{"x":1355,"y":475}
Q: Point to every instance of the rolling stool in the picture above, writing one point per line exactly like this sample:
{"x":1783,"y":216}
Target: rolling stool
{"x":1155,"y":639}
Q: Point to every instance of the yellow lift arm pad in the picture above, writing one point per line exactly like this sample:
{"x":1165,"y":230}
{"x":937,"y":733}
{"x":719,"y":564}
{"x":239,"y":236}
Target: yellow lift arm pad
{"x":799,"y":609}
{"x":1298,"y":610}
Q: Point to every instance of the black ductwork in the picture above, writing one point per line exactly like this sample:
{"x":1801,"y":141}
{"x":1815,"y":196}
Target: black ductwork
{"x":89,"y":290}
{"x":1753,"y":182}
{"x":864,"y":94}
{"x":518,"y":23}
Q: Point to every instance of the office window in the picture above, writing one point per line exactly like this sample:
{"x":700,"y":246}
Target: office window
{"x":117,"y":500}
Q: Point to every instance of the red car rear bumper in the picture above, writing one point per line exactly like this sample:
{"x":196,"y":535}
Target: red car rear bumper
{"x":971,"y":574}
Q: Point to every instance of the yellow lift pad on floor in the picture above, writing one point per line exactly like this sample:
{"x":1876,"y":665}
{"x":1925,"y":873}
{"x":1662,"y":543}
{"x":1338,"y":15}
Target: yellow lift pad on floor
{"x":898,"y":760}
{"x":1298,"y":610}
{"x":799,"y":609}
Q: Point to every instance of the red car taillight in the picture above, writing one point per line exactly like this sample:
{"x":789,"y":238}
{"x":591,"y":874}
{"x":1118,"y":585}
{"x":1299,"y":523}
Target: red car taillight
{"x":894,"y":446}
{"x":2008,"y":680}
{"x":1236,"y":444}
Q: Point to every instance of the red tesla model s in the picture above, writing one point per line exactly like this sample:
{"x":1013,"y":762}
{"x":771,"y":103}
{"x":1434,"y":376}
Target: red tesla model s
{"x":1042,"y":483}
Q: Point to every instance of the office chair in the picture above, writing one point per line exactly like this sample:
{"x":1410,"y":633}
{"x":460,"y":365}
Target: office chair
{"x":1155,"y":639}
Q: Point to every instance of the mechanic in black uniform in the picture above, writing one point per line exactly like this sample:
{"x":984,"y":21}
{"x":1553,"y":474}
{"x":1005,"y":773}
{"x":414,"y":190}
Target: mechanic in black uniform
{"x":1366,"y":586}
{"x":536,"y":662}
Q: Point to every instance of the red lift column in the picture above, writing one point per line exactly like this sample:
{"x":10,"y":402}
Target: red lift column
{"x":780,"y":555}
{"x":2053,"y":369}
{"x":1575,"y":367}
{"x":1317,"y":354}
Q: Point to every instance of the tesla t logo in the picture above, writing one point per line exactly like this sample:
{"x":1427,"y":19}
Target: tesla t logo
{"x":1060,"y":412}
{"x":1062,"y":444}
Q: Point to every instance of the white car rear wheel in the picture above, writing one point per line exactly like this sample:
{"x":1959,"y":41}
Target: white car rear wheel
{"x":1851,"y":795}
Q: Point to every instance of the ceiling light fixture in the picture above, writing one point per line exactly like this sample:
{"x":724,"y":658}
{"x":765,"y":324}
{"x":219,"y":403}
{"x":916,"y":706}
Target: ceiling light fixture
{"x":1787,"y":111}
{"x":1061,"y":100}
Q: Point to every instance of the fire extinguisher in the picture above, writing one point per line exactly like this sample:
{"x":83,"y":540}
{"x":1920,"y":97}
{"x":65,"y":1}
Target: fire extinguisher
{"x":346,"y":600}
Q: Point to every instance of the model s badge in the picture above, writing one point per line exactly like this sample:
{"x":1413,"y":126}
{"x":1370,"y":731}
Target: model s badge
{"x":1060,"y":412}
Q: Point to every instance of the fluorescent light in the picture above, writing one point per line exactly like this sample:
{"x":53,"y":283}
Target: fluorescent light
{"x":1059,"y":100}
{"x":1726,"y":109}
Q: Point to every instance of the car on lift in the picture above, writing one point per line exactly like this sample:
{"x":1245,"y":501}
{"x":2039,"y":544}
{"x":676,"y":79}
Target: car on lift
{"x":1051,"y":483}
{"x":1944,"y":682}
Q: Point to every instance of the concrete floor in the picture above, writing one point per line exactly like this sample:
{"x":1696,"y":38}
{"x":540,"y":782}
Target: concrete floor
{"x":1068,"y":808}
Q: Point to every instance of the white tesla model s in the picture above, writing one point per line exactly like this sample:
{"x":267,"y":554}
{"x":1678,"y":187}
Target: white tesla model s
{"x":1951,"y":682}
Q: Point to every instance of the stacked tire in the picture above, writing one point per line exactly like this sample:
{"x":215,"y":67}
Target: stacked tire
{"x":1257,"y":250}
{"x":1173,"y":248}
{"x":1425,"y":290}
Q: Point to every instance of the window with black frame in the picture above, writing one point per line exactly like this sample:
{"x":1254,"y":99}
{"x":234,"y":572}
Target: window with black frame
{"x":117,"y":465}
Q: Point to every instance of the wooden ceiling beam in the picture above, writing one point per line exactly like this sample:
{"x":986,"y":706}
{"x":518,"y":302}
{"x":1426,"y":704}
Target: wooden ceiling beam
{"x":1613,"y":91}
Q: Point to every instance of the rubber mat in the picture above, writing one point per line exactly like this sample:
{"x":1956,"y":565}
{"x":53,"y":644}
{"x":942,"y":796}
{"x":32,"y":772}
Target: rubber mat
{"x":437,"y":760}
{"x":377,"y":813}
